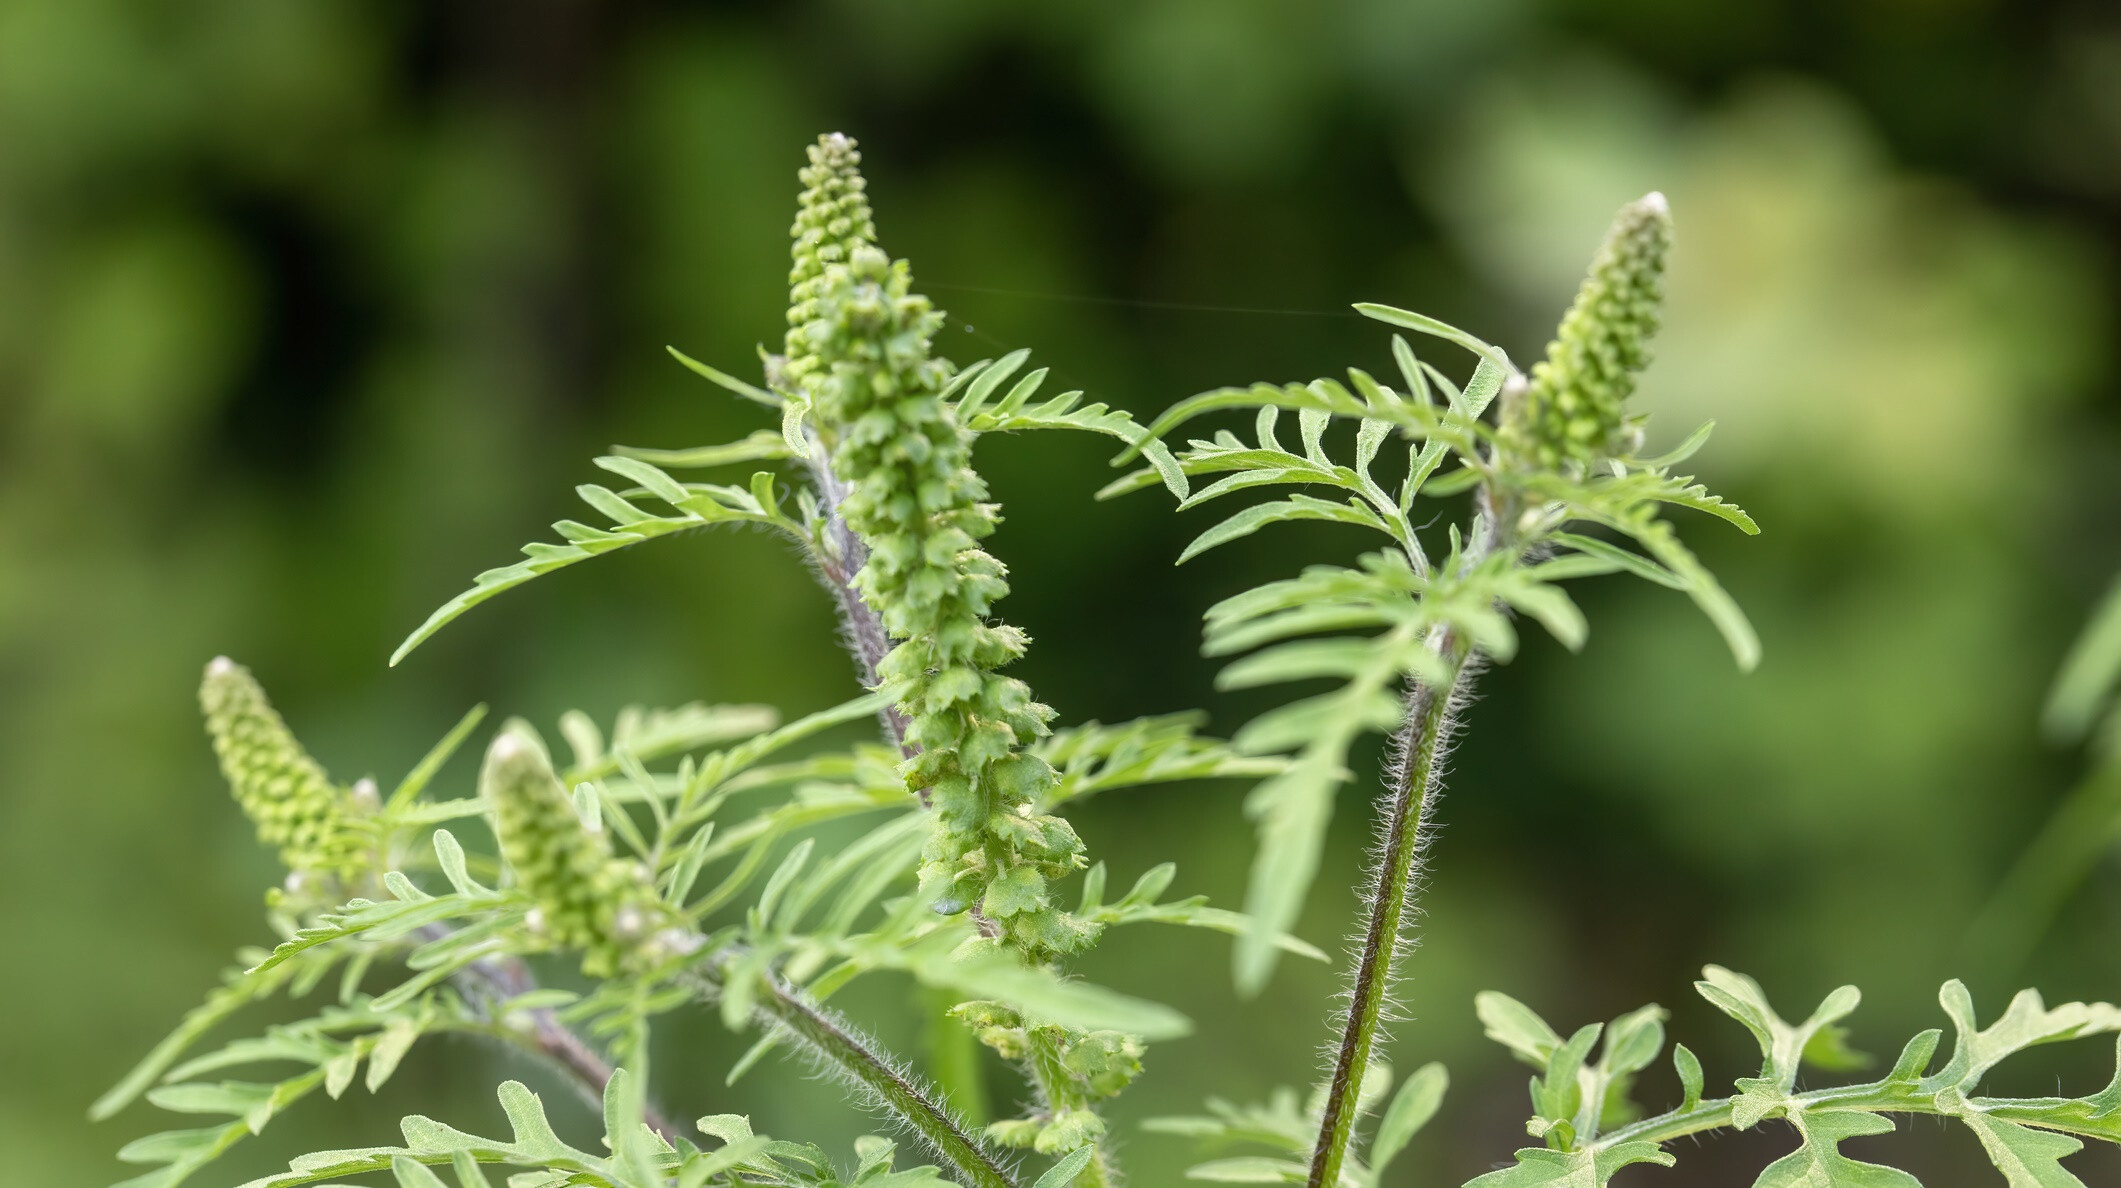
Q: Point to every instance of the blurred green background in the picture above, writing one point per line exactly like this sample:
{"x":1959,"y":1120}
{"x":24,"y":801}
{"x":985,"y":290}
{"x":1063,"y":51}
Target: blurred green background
{"x":309,"y":311}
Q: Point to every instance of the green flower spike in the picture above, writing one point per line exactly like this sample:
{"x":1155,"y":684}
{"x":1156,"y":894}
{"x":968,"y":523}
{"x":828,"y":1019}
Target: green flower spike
{"x":1575,"y":408}
{"x":315,"y":824}
{"x":587,"y":899}
{"x":831,"y":220}
{"x":914,"y":498}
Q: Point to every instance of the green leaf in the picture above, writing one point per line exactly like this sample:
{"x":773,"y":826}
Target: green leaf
{"x":1782,"y":1045}
{"x":2085,"y":684}
{"x":1620,"y":559}
{"x":1291,"y":811}
{"x":1548,"y":604}
{"x":1538,"y":1167}
{"x":1014,"y":413}
{"x":1517,"y":1027}
{"x":1685,"y":449}
{"x":1428,"y":325}
{"x":761,"y":445}
{"x":2027,"y":1022}
{"x":1299,"y":661}
{"x":1688,"y":1067}
{"x":1037,"y":992}
{"x":1094,"y":758}
{"x":1071,"y":1165}
{"x":1296,"y":507}
{"x":1702,"y":587}
{"x":2027,"y":1158}
{"x":1416,"y":1102}
{"x":423,"y":772}
{"x":694,"y":506}
{"x":412,"y":1174}
{"x":223,"y":1002}
{"x":449,"y":854}
{"x":1819,"y":1163}
{"x":724,"y":380}
{"x":391,"y":1045}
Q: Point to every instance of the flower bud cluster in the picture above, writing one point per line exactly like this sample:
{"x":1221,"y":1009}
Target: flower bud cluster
{"x":831,"y":220}
{"x":316,"y":825}
{"x":1076,"y":1069}
{"x":915,"y":500}
{"x":587,"y":899}
{"x":1575,"y":409}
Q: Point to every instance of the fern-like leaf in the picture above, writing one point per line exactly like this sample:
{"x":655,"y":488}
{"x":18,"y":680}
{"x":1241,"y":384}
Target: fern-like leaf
{"x":693,"y":505}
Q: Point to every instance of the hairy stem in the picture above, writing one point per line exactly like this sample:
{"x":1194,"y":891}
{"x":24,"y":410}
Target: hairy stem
{"x":834,"y":1043}
{"x":1419,"y":747}
{"x":842,"y":555}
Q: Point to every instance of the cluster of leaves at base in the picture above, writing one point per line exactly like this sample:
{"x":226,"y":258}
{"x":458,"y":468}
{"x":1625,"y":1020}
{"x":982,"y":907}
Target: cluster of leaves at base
{"x":1582,"y":1108}
{"x":1292,"y":1132}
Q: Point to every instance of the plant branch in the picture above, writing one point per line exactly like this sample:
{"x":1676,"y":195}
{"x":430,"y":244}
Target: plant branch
{"x":1419,"y":747}
{"x":498,"y":979}
{"x":836,"y":1045}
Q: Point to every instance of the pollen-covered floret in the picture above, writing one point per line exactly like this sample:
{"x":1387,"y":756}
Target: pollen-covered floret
{"x":1575,"y":408}
{"x":315,"y":824}
{"x":587,"y":899}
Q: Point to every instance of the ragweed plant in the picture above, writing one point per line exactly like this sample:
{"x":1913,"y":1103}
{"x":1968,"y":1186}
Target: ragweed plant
{"x":1559,"y":490}
{"x":679,"y":858}
{"x":629,"y":854}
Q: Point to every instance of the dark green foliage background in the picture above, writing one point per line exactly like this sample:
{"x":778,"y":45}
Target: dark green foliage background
{"x":309,"y":311}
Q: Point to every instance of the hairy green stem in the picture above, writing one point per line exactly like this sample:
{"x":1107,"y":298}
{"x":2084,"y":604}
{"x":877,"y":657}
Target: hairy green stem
{"x":894,"y":1088}
{"x":1417,"y":750}
{"x":1420,"y":744}
{"x":835,"y":1043}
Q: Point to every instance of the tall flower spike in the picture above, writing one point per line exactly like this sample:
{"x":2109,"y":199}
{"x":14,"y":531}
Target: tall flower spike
{"x":915,"y":499}
{"x":831,"y":220}
{"x":1575,"y":408}
{"x":284,"y":791}
{"x":587,"y":900}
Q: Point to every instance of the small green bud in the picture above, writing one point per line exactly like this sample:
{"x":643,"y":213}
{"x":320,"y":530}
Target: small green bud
{"x":314,"y":823}
{"x":587,"y":899}
{"x":1575,"y":408}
